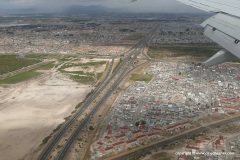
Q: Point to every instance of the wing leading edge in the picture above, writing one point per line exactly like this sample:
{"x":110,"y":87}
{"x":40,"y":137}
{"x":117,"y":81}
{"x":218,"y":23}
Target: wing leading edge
{"x":223,"y":28}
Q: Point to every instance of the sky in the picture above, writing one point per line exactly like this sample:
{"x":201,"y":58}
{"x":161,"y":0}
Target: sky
{"x":169,"y":6}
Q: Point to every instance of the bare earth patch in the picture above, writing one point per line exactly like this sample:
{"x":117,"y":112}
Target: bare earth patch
{"x":102,"y":50}
{"x":89,"y":69}
{"x":86,"y":60}
{"x":30,"y":111}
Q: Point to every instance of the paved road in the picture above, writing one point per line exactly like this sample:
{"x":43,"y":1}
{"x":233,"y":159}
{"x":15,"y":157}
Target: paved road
{"x":46,"y":153}
{"x":123,"y":68}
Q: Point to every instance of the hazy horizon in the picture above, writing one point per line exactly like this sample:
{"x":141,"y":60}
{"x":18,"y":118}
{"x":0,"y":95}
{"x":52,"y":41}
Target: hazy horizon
{"x":135,"y":6}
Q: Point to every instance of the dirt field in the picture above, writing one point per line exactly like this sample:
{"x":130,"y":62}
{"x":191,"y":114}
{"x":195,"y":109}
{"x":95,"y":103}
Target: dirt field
{"x":90,"y":68}
{"x":103,"y":50}
{"x":30,"y":111}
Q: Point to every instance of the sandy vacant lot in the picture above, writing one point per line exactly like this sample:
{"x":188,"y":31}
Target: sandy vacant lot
{"x":29,"y":111}
{"x":103,"y":50}
{"x":91,"y":69}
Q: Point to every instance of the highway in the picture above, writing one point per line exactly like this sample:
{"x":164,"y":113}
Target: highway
{"x":47,"y":151}
{"x":81,"y":125}
{"x":121,"y":71}
{"x":142,"y":151}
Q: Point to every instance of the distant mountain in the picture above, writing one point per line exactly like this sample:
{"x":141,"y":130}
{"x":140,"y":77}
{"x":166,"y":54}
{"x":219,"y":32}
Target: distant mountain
{"x":20,"y":10}
{"x":70,"y":10}
{"x":92,"y":9}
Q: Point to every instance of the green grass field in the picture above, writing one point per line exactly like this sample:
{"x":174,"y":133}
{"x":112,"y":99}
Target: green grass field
{"x":9,"y":63}
{"x":42,"y":56}
{"x":82,"y":76}
{"x":141,"y":77}
{"x":202,"y":51}
{"x":47,"y":66}
{"x":99,"y":75}
{"x":20,"y":77}
{"x":82,"y":79}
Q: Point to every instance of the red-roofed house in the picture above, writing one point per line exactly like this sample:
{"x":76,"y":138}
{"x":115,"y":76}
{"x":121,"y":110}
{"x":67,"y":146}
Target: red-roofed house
{"x":192,"y":149}
{"x":108,"y":150}
{"x":109,"y":132}
{"x":141,"y":138}
{"x":118,"y":129}
{"x":132,"y":102}
{"x":202,"y":109}
{"x":107,"y":139}
{"x":221,"y":139}
{"x":100,"y":143}
{"x":118,"y":144}
{"x":236,"y":100}
{"x":177,"y":78}
{"x":200,"y":143}
{"x":219,"y":143}
{"x":131,"y":142}
{"x":182,"y":157}
{"x":217,"y":109}
{"x":124,"y":129}
{"x":99,"y":147}
{"x":152,"y":135}
{"x":177,"y":127}
{"x":143,"y":127}
{"x":158,"y":130}
{"x":121,"y":137}
{"x":101,"y":153}
{"x":207,"y":139}
{"x":137,"y":133}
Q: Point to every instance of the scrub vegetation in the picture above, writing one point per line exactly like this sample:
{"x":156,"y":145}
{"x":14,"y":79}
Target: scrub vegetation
{"x":141,"y":77}
{"x":20,"y":77}
{"x":85,"y":76}
{"x":198,"y":51}
{"x":9,"y":63}
{"x":47,"y":66}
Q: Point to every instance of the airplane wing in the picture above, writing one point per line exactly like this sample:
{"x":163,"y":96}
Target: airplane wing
{"x":223,"y":27}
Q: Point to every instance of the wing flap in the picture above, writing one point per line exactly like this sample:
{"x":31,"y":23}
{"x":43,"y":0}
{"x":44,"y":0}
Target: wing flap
{"x":224,"y":30}
{"x":225,"y":6}
{"x":224,"y":23}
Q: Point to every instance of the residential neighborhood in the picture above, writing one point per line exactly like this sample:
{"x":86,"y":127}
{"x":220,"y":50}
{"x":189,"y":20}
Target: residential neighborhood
{"x":181,"y":96}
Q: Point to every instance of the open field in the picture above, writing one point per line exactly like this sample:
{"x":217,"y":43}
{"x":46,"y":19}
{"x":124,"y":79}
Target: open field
{"x":192,"y":51}
{"x":103,"y":50}
{"x":20,"y":77}
{"x":141,"y":77}
{"x":47,"y":66}
{"x":31,"y":110}
{"x":42,"y":56}
{"x":82,"y":70}
{"x":9,"y":63}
